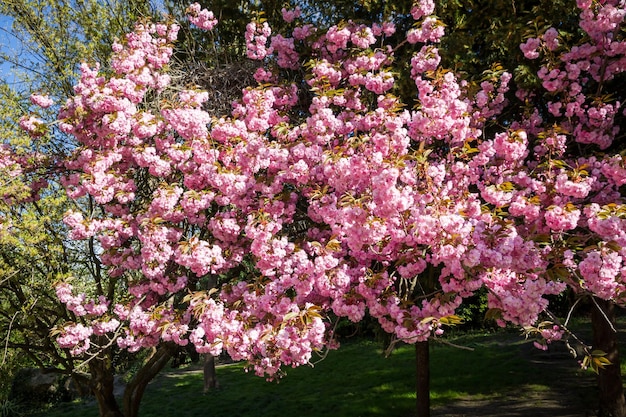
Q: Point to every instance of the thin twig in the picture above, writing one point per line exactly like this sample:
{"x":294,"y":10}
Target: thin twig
{"x":454,"y":345}
{"x":571,"y":310}
{"x":9,"y":277}
{"x":101,"y":349}
{"x":6,"y":344}
{"x":571,"y":334}
{"x":603,"y":314}
{"x":325,"y":354}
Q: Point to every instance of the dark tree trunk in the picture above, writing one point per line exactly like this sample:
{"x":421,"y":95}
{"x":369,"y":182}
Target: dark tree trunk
{"x":210,"y":376}
{"x":102,"y":384}
{"x":610,"y":388}
{"x":422,"y":363}
{"x":136,"y":387}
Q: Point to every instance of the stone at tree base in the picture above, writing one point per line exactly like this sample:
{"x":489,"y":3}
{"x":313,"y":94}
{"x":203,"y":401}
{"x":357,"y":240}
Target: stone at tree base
{"x":37,"y":386}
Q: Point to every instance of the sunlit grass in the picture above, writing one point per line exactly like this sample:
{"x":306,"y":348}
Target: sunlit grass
{"x":356,"y":380}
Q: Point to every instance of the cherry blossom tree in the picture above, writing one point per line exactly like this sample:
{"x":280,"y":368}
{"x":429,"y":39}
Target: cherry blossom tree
{"x":324,"y":195}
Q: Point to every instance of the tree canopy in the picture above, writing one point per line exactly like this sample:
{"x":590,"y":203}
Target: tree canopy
{"x":374,"y":166}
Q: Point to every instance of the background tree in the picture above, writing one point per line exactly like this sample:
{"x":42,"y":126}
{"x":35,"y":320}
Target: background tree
{"x":48,"y":42}
{"x":49,"y":39}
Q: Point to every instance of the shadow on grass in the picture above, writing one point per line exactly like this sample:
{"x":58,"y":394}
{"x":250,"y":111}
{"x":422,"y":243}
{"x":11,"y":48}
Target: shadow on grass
{"x":357,"y":381}
{"x":506,"y":376}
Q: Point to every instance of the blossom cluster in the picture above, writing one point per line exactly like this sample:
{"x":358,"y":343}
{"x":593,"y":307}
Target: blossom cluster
{"x":202,"y":18}
{"x":256,"y":36}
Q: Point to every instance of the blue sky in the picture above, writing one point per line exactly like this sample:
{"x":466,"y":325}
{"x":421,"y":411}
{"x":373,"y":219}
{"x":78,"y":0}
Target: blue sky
{"x":8,"y":43}
{"x":12,"y":45}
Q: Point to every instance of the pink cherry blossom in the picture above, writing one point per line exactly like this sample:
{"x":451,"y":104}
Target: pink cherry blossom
{"x":43,"y":101}
{"x":290,"y":15}
{"x":200,"y":17}
{"x":529,"y":48}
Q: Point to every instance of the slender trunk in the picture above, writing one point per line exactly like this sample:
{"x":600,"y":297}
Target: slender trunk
{"x":422,"y":362}
{"x":102,"y":385}
{"x":136,"y":387}
{"x":610,"y":388}
{"x":210,"y":376}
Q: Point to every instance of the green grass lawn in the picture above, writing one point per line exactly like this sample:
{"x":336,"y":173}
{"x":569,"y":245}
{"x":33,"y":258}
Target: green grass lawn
{"x":356,"y":380}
